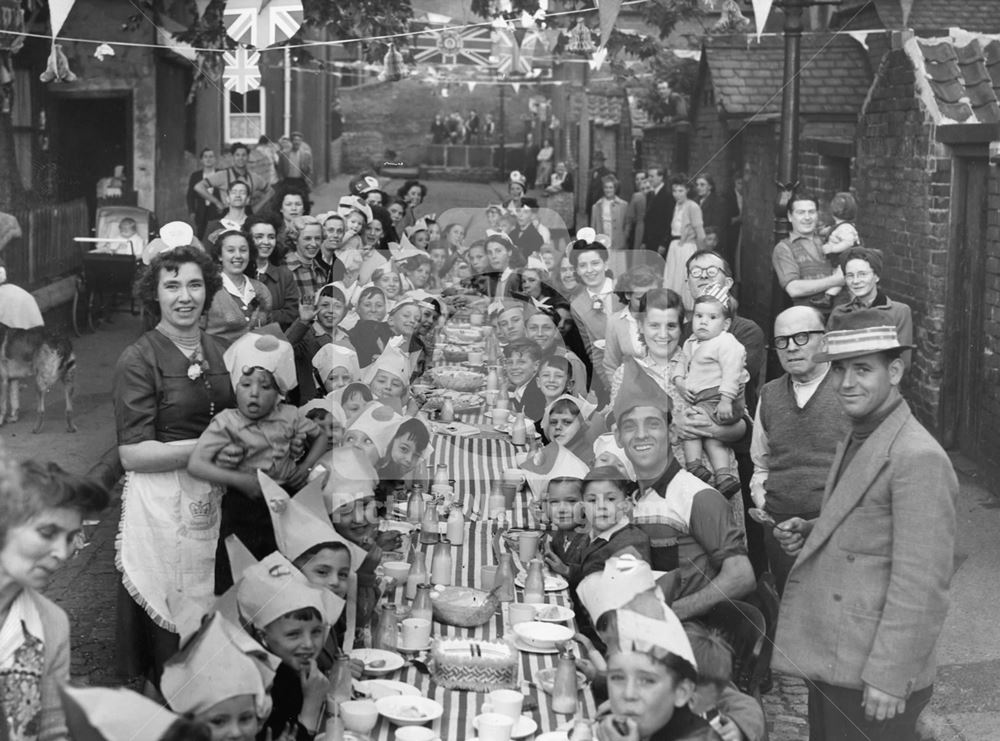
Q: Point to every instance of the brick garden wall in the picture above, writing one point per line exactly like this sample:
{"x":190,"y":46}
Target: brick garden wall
{"x":990,"y":415}
{"x":903,"y":184}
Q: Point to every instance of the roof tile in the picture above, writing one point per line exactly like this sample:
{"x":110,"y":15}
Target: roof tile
{"x":964,"y":80}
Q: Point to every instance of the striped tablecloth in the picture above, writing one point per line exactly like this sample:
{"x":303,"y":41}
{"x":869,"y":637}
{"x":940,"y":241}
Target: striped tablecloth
{"x":461,"y":707}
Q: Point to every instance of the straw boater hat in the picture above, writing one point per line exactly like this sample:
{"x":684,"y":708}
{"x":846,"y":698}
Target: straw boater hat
{"x":859,"y":333}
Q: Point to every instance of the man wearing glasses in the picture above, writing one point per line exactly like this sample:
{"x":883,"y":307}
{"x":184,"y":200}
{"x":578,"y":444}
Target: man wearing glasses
{"x":798,"y":424}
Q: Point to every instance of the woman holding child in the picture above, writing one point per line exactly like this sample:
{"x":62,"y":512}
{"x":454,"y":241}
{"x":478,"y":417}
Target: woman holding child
{"x":167,"y":387}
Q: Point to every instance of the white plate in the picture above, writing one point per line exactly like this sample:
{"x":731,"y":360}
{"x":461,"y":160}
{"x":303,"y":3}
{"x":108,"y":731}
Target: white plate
{"x":395,"y":710}
{"x":525,"y":726}
{"x":553,"y":582}
{"x":366,"y":656}
{"x":564,"y":615}
{"x":522,"y":646}
{"x":379,"y":688}
{"x":553,"y":736}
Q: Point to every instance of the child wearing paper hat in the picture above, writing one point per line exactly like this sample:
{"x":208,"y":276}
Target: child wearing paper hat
{"x":389,"y":376}
{"x":373,"y":430}
{"x":409,"y":445}
{"x":330,"y":417}
{"x":215,"y":679}
{"x":569,"y":421}
{"x":262,"y":371}
{"x":290,"y":617}
{"x":336,"y":366}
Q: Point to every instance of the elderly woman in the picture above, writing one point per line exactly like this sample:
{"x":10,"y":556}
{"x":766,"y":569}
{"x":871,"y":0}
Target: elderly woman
{"x":271,"y":271}
{"x":242,"y":303}
{"x":862,"y":268}
{"x":168,"y":385}
{"x":41,"y":517}
{"x":687,"y":237}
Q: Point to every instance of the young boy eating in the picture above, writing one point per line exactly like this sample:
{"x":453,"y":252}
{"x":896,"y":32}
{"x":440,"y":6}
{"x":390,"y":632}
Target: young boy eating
{"x":563,"y":508}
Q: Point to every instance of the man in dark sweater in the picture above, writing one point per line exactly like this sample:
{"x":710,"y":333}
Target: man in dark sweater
{"x":795,"y":433}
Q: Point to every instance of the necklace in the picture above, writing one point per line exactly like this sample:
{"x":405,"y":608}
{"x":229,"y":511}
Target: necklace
{"x":198,"y":366}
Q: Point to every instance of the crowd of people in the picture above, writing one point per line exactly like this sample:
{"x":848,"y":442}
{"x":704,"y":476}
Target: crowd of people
{"x":277,"y":406}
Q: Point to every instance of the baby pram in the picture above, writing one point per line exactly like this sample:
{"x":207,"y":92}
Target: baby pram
{"x":110,"y":259}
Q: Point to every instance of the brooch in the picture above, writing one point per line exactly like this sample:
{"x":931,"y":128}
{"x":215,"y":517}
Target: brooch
{"x":194,"y":371}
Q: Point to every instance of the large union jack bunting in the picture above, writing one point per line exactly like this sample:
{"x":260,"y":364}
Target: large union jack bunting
{"x":516,"y":59}
{"x":446,"y":46}
{"x":262,"y":23}
{"x":242,"y":72}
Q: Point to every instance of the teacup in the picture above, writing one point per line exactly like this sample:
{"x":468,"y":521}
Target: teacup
{"x":520,"y":613}
{"x":415,"y":733}
{"x":397,"y":570}
{"x":504,"y":702}
{"x":487,"y":577}
{"x":527,"y":546}
{"x":493,"y":727}
{"x":500,"y":416}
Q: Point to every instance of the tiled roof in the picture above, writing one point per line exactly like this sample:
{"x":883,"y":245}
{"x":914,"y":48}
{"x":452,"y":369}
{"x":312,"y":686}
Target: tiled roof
{"x":605,"y":106}
{"x":929,"y":16}
{"x":959,"y":78}
{"x":747,"y":76}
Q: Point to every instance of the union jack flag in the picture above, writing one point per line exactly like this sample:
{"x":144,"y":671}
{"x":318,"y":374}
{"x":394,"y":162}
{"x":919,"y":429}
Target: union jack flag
{"x":453,"y":46}
{"x":242,"y":72}
{"x":513,"y":58}
{"x":262,"y":23}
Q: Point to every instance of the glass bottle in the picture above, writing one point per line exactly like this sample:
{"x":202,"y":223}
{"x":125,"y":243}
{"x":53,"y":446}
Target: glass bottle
{"x":341,"y":686}
{"x":496,"y":504}
{"x":441,"y":563}
{"x":456,"y":526}
{"x":422,"y":607}
{"x":390,"y":505}
{"x":415,"y":505}
{"x":387,"y":636}
{"x":492,"y":380}
{"x":429,"y":524}
{"x":502,"y":401}
{"x":564,"y":687}
{"x":334,"y":729}
{"x":503,"y":582}
{"x":534,"y":583}
{"x":441,"y":475}
{"x":417,"y":575}
{"x":518,"y":436}
{"x":447,"y":413}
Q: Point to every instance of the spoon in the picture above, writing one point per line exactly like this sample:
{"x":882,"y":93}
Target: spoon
{"x":376,"y":664}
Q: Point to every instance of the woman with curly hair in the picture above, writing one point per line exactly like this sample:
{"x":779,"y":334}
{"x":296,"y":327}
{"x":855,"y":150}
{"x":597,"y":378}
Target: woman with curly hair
{"x":168,"y":385}
{"x":413,"y":193}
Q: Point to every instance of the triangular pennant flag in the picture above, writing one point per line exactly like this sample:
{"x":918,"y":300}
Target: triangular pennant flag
{"x":58,"y":12}
{"x":860,"y":36}
{"x":516,"y":86}
{"x":202,"y":6}
{"x":906,"y":6}
{"x":608,"y":11}
{"x":471,"y":85}
{"x":761,"y":10}
{"x":597,"y":60}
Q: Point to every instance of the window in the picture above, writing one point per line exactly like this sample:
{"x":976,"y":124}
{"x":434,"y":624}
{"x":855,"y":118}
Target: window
{"x":244,"y":119}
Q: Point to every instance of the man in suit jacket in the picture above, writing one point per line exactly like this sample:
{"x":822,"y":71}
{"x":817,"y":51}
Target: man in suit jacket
{"x":868,"y":593}
{"x":635,"y":214}
{"x":659,"y":212}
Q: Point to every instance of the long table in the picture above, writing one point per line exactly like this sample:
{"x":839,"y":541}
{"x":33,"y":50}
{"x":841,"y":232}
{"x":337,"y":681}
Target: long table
{"x":460,"y":708}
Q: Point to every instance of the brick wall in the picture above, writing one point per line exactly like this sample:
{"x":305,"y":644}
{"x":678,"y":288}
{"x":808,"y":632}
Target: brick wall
{"x":398,"y":116}
{"x":990,"y":415}
{"x":903,"y":183}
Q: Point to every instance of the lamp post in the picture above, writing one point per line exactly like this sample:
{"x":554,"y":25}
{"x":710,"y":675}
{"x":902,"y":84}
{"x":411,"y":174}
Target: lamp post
{"x":581,"y":42}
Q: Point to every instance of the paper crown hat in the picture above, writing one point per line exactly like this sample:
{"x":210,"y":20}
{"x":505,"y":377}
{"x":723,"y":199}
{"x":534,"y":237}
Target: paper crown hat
{"x":607,"y":445}
{"x":365,"y":184}
{"x":638,"y":390}
{"x":516,"y":176}
{"x":302,"y":522}
{"x":586,"y":408}
{"x":379,"y":422}
{"x":347,"y":204}
{"x":420,"y":225}
{"x":352,"y":477}
{"x":858,"y":333}
{"x":172,"y":235}
{"x":551,"y":462}
{"x":265,"y":351}
{"x":625,"y":577}
{"x":273,"y":587}
{"x":328,"y":405}
{"x":213,"y":667}
{"x":332,"y":355}
{"x":630,"y":630}
{"x":113,"y":714}
{"x":404,"y":249}
{"x":587,"y":234}
{"x":392,"y":360}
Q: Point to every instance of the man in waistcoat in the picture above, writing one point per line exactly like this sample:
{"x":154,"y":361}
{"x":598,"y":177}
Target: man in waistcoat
{"x":795,"y":433}
{"x":867,"y":597}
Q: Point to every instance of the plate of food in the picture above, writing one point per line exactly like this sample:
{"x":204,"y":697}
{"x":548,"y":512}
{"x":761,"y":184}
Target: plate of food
{"x":461,"y":401}
{"x":553,"y":582}
{"x":554,"y":614}
{"x":376,"y":689}
{"x":378,"y":662}
{"x":457,"y":378}
{"x":408,"y":710}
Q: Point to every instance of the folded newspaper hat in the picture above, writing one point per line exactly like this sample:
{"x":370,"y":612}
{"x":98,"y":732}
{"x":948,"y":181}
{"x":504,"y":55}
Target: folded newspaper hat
{"x":113,"y":714}
{"x":273,"y":587}
{"x":629,"y":630}
{"x":638,"y":390}
{"x":254,"y":350}
{"x":552,"y":461}
{"x":624,"y":578}
{"x":332,"y":355}
{"x":352,"y":477}
{"x":215,"y":665}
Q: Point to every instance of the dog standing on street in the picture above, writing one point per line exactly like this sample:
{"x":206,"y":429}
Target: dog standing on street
{"x":40,"y":354}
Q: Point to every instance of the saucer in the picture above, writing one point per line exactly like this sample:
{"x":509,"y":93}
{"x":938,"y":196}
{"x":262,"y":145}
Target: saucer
{"x":523,"y":646}
{"x":525,"y":726}
{"x":415,"y":649}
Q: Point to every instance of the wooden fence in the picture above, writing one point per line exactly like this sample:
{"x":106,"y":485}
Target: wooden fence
{"x":46,"y":250}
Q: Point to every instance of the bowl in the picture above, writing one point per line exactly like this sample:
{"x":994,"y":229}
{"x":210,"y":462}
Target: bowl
{"x":543,"y":636}
{"x":409,"y":711}
{"x":463,"y":607}
{"x":359,"y":716}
